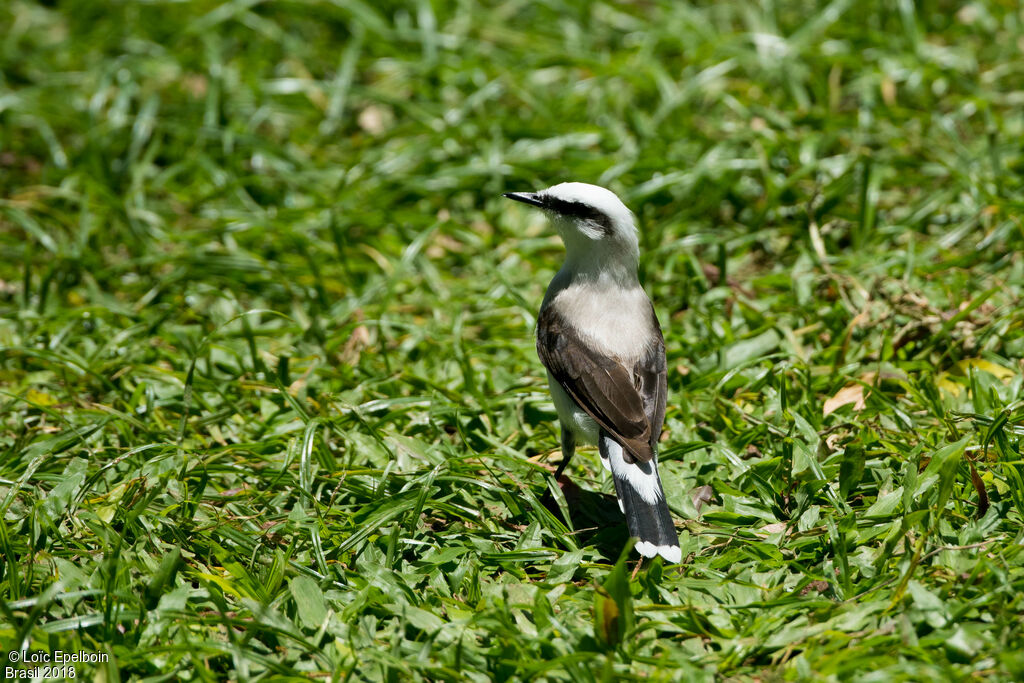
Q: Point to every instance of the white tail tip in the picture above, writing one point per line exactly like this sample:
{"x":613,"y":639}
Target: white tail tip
{"x":671,"y":553}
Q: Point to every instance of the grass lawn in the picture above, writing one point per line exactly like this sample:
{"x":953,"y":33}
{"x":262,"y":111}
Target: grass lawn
{"x":269,"y":403}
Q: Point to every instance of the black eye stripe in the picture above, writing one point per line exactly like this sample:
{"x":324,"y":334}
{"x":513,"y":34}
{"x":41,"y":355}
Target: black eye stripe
{"x":580,"y":210}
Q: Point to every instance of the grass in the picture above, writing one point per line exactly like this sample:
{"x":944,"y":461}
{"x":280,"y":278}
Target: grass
{"x":269,"y":404}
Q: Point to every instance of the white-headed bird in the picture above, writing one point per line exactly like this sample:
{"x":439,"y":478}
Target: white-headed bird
{"x":601,"y":343}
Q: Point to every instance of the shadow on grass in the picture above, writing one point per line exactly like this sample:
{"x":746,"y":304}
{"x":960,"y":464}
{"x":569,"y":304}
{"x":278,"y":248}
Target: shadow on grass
{"x":596,"y":517}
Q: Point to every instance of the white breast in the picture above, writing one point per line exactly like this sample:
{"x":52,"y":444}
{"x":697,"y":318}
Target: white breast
{"x":614,"y":321}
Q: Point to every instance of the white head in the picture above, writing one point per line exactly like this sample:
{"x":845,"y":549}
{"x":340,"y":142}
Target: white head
{"x":596,"y":227}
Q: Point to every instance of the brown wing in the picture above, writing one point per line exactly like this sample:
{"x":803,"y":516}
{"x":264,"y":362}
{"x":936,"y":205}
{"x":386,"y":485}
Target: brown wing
{"x":628,"y":404}
{"x":652,"y":382}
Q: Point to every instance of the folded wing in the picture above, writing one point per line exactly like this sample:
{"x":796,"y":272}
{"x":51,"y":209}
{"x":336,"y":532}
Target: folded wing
{"x":628,"y":403}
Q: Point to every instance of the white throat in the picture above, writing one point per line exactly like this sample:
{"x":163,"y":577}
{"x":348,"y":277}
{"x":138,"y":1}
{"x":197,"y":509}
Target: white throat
{"x":601,"y":261}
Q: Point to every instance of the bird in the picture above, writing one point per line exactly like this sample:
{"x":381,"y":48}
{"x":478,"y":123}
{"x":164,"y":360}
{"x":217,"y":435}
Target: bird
{"x":599,"y":339}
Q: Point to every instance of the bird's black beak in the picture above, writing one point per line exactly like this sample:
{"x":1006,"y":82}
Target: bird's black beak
{"x":531,"y":198}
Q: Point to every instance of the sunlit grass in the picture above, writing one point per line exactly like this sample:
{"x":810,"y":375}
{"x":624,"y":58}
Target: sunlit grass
{"x":269,"y":404}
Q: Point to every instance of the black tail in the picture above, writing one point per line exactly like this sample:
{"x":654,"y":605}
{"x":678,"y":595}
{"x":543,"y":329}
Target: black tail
{"x":642,"y":499}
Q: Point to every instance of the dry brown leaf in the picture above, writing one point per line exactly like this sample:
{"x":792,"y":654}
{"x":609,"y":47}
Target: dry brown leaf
{"x":769,"y":529}
{"x":851,"y":393}
{"x":832,"y":441}
{"x":701,"y":495}
{"x":358,"y":341}
{"x":817,"y":586}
